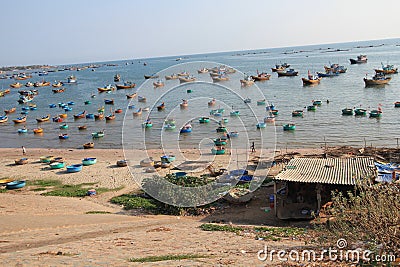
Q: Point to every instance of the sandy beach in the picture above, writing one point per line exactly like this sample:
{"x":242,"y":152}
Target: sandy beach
{"x":40,"y":230}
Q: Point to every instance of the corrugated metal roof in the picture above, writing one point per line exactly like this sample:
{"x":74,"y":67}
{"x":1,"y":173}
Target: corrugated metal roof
{"x":328,"y":171}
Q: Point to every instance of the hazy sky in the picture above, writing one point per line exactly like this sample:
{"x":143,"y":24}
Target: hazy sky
{"x":75,"y":31}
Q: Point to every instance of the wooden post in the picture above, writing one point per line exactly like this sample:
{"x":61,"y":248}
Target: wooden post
{"x":275,"y":207}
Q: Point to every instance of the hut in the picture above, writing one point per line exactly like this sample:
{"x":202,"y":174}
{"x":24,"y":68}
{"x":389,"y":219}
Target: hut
{"x":305,"y":184}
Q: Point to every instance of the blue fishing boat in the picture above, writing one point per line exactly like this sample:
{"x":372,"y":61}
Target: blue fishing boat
{"x":235,"y":113}
{"x":89,"y":161}
{"x":261,"y":125}
{"x":168,"y":158}
{"x":74,"y":168}
{"x":218,"y":150}
{"x":204,"y":120}
{"x":327,"y":74}
{"x":33,"y":108}
{"x":98,"y":134}
{"x":52,"y":105}
{"x":186,"y":129}
{"x":233,"y":134}
{"x":90,"y":116}
{"x":67,"y":108}
{"x":15,"y":184}
{"x":23,"y":130}
{"x":221,"y":129}
{"x":64,"y":126}
{"x":71,"y":103}
{"x":25,"y":108}
{"x":261,"y":102}
{"x":169,"y":126}
{"x":289,"y":127}
{"x":63,"y":136}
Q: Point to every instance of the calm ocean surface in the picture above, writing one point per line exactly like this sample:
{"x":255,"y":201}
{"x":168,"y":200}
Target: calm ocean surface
{"x":286,"y":93}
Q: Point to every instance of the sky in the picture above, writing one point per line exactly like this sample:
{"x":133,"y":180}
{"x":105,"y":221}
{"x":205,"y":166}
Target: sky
{"x":57,"y":32}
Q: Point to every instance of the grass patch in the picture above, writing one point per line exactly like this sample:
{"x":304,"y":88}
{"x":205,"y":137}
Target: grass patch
{"x":3,"y":190}
{"x":281,"y":231}
{"x":223,"y":228}
{"x":98,"y":212}
{"x":129,"y":201}
{"x":39,"y":189}
{"x":44,"y":183}
{"x":167,"y":258}
{"x":76,"y":190}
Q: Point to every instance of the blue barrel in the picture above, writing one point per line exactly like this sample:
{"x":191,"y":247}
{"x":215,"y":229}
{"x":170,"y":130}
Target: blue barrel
{"x":271,"y":201}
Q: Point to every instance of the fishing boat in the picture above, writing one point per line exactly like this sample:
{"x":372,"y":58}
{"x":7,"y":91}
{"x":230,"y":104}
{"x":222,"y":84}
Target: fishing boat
{"x":247,"y":81}
{"x":15,"y":185}
{"x":5,"y":181}
{"x":66,"y":108}
{"x":218,"y":150}
{"x":131,"y":95}
{"x":138,"y":112}
{"x":375,"y":113}
{"x":219,"y":111}
{"x":89,"y":161}
{"x":107,"y":88}
{"x":167,"y":158}
{"x":3,"y":119}
{"x":20,"y":119}
{"x":142,"y":99}
{"x":170,"y":121}
{"x":183,"y":74}
{"x":74,"y":168}
{"x":269,"y":119}
{"x":46,"y":159}
{"x":235,"y":113}
{"x":360,"y":59}
{"x":278,"y":68}
{"x":118,"y":110}
{"x":41,"y":84}
{"x":126,"y":85}
{"x":158,"y":84}
{"x":80,"y":115}
{"x":147,"y":124}
{"x":57,"y":119}
{"x":25,"y":99}
{"x":98,"y":134}
{"x":60,"y":90}
{"x":29,"y":84}
{"x":82,"y":127}
{"x":21,"y":161}
{"x":261,"y":102}
{"x":388,"y":69}
{"x":16,"y":85}
{"x":87,"y":102}
{"x":289,"y":127}
{"x":223,"y":121}
{"x":347,"y":111}
{"x":247,"y":100}
{"x":212,"y":102}
{"x":221,"y":141}
{"x":233,"y":134}
{"x":38,"y":130}
{"x":263,"y":76}
{"x":153,"y":76}
{"x":203,"y":70}
{"x":187,"y":79}
{"x":327,"y":74}
{"x":261,"y":125}
{"x":397,"y":104}
{"x":184,"y":103}
{"x":220,"y":78}
{"x":57,"y":84}
{"x":101,"y":109}
{"x":117,"y":77}
{"x":186,"y":129}
{"x":169,"y":126}
{"x":57,"y":165}
{"x":377,"y":79}
{"x":99,"y":116}
{"x":275,"y":112}
{"x":109,"y":101}
{"x":204,"y":120}
{"x":88,"y":145}
{"x":89,"y":116}
{"x":161,"y":106}
{"x":335,"y":68}
{"x":289,"y":72}
{"x":11,"y":110}
{"x":63,"y":136}
{"x":71,"y":80}
{"x":221,"y":129}
{"x":317,"y":102}
{"x":360,"y":112}
{"x":311,"y":79}
{"x":64,"y":126}
{"x":23,"y":130}
{"x":44,"y":118}
{"x":110,"y":117}
{"x":297,"y":113}
{"x":122,"y":163}
{"x":312,"y":108}
{"x":172,"y":77}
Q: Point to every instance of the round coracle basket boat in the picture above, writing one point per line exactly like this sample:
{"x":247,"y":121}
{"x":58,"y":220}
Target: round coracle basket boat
{"x":147,"y":162}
